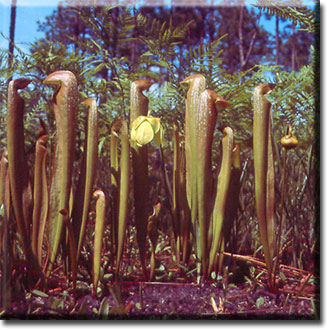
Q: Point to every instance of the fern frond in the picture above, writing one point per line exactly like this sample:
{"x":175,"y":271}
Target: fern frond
{"x":296,"y":13}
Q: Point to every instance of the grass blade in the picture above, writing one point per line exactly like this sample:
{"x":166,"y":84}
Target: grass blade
{"x":104,"y":309}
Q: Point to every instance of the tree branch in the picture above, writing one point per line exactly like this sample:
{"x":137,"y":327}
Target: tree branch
{"x":243,"y":60}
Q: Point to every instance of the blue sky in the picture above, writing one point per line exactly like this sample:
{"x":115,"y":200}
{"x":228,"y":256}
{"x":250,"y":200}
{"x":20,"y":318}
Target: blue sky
{"x":26,"y":23}
{"x":30,"y":11}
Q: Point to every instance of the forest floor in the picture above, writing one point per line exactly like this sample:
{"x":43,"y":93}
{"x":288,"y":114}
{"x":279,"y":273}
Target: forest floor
{"x":297,"y":298}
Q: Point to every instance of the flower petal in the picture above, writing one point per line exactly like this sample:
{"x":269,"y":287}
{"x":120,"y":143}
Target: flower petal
{"x":155,"y":122}
{"x":144,"y":133}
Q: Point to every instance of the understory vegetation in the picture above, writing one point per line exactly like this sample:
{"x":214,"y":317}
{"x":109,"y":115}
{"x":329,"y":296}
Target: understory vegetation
{"x":168,"y":151}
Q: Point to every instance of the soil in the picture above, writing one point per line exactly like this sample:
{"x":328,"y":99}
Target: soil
{"x":297,"y":298}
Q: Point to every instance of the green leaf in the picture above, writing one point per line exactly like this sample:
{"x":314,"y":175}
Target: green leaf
{"x":84,"y":307}
{"x":196,"y":85}
{"x":90,"y":159}
{"x":125,"y":170}
{"x":282,"y":276}
{"x":260,"y":301}
{"x":40,"y":197}
{"x":99,"y":231}
{"x":100,"y":146}
{"x":56,"y":303}
{"x":222,"y":191}
{"x":40,"y":293}
{"x":65,"y":106}
{"x":104,"y":309}
{"x":264,"y":172}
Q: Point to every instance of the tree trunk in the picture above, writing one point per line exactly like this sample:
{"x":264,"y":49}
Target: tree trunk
{"x":293,"y":50}
{"x":243,"y":59}
{"x":240,"y":35}
{"x":12,"y":34}
{"x":277,"y":31}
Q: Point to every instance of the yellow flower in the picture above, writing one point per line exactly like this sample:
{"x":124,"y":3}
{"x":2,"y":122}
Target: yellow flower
{"x":289,"y":141}
{"x":146,"y":128}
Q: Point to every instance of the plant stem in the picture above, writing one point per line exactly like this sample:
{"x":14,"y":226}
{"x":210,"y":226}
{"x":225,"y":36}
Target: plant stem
{"x":281,"y":218}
